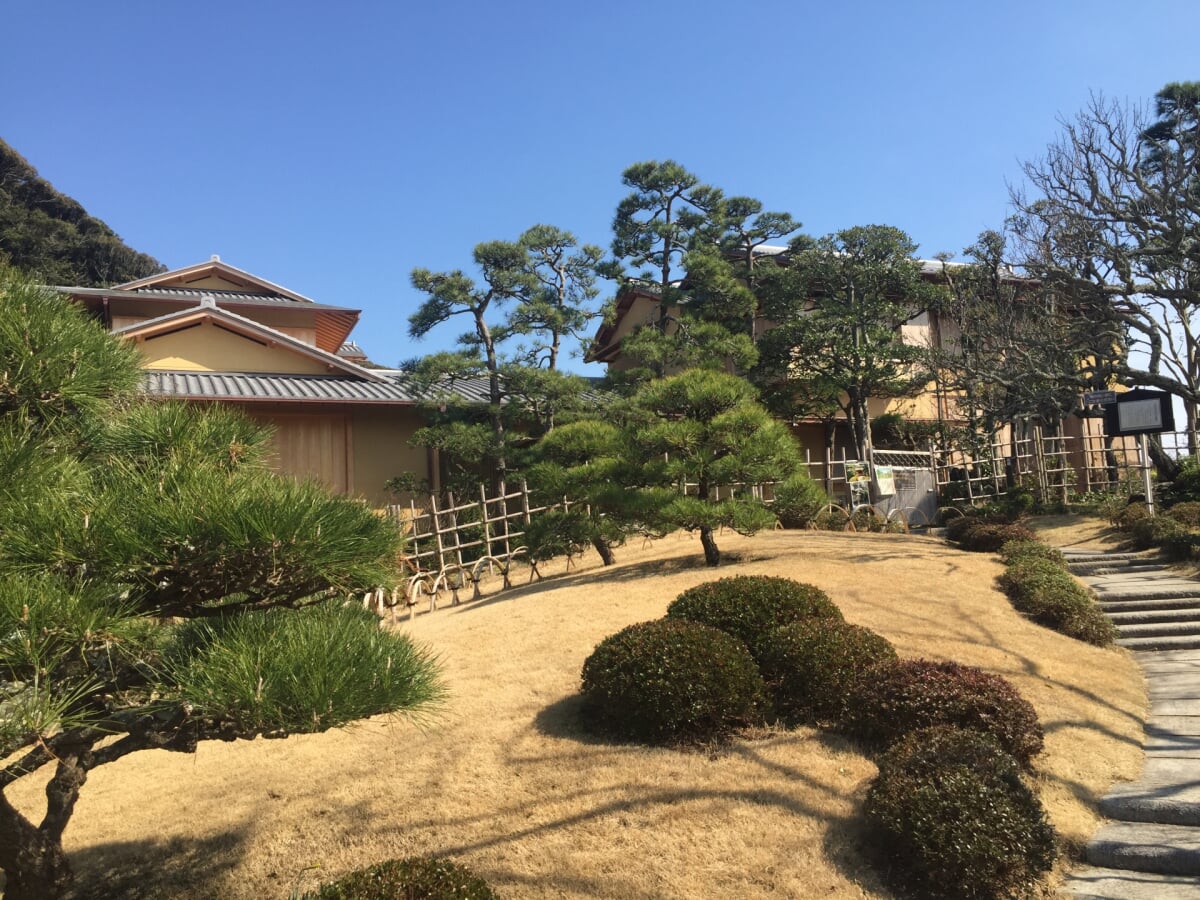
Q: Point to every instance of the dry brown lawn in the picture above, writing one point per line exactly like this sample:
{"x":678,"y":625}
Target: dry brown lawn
{"x":505,"y":782}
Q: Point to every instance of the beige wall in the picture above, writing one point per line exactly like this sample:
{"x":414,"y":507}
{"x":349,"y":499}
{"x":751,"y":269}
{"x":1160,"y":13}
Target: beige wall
{"x":381,"y":450}
{"x":207,"y":348}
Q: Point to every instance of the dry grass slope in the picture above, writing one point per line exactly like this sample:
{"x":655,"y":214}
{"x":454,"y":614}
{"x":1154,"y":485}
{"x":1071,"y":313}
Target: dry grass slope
{"x":505,"y":783}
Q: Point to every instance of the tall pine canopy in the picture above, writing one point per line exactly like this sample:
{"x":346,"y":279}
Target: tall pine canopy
{"x":52,"y":237}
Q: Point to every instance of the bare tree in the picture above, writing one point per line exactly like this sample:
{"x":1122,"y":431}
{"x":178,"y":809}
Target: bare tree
{"x":1110,"y":220}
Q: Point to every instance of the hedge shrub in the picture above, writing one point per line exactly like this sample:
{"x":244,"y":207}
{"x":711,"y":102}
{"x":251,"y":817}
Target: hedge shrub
{"x":750,"y":607}
{"x":989,"y":537}
{"x":1154,"y":531}
{"x":670,"y":681}
{"x":1047,"y":594}
{"x":955,"y":818}
{"x":897,"y":698}
{"x":415,"y":878}
{"x":811,"y":666}
{"x":1187,"y":513}
{"x":1182,"y":547}
{"x":1012,"y":551}
{"x":1131,"y":514}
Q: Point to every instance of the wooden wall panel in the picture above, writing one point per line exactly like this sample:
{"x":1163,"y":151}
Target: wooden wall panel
{"x":314,"y":446}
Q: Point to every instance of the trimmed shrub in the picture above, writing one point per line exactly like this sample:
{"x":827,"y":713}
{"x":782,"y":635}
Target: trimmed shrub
{"x":750,"y":607}
{"x":1131,"y":514}
{"x":897,"y":698}
{"x":1153,"y":531}
{"x":832,"y":519}
{"x":1187,"y":513}
{"x":811,"y":666}
{"x":670,"y":681}
{"x":1047,"y":594}
{"x":986,"y":537}
{"x":415,"y":878}
{"x":798,"y":501}
{"x":1013,"y":551}
{"x":956,"y":819}
{"x":1182,"y":547}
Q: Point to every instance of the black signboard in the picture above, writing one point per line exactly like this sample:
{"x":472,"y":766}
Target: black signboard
{"x":1139,"y":412}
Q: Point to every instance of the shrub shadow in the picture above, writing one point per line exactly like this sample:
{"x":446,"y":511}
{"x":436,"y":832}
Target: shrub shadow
{"x":142,"y":870}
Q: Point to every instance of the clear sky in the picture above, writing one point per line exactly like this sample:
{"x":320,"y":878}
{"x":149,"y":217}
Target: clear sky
{"x":332,"y":147}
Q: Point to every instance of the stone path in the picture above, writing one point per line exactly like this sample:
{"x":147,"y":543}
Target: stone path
{"x":1151,"y":847}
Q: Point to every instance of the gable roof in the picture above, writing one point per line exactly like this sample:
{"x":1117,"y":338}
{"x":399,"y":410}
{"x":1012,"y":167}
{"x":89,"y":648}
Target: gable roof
{"x":223,"y":318}
{"x":180,"y":278}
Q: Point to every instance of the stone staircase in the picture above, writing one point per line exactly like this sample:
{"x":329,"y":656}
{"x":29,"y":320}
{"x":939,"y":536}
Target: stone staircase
{"x":1151,"y":846}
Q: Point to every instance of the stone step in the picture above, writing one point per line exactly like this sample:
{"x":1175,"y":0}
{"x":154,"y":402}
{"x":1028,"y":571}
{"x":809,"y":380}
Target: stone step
{"x":1096,"y":555}
{"x":1149,"y":592}
{"x":1162,"y":803}
{"x":1118,"y":568}
{"x":1121,"y":618}
{"x":1146,"y":847}
{"x":1116,"y":606}
{"x":1185,"y":626}
{"x":1122,"y":884}
{"x":1162,"y":642}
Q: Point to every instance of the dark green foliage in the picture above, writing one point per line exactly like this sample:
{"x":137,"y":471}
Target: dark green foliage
{"x":798,"y":501}
{"x":1182,"y":547}
{"x":1185,"y":487}
{"x":750,"y":607}
{"x":1154,"y":531}
{"x":811,"y":666}
{"x":956,"y":820}
{"x":415,"y":878}
{"x":670,"y":681}
{"x":51,"y":236}
{"x":557,"y":533}
{"x":832,"y":519}
{"x":121,"y":517}
{"x":1045,"y":591}
{"x":1186,"y":513}
{"x":983,"y":537}
{"x":1012,"y":551}
{"x":900,"y":697}
{"x":43,"y":341}
{"x":706,"y":429}
{"x":279,"y":671}
{"x":1130,"y":515}
{"x":957,"y":526}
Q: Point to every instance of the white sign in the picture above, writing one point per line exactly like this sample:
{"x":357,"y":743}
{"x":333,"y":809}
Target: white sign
{"x":1140,"y":415}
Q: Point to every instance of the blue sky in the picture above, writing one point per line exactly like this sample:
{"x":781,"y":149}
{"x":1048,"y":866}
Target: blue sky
{"x":333,"y":147}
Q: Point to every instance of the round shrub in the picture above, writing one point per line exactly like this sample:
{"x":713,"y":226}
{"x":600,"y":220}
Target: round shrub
{"x":1046,"y":592}
{"x":750,"y":607}
{"x":811,"y":666}
{"x":956,"y":527}
{"x":833,"y":518}
{"x":1131,"y":514}
{"x":798,"y":501}
{"x":1182,"y":547}
{"x":989,"y":537}
{"x":407,"y":879}
{"x":670,"y":681}
{"x":1154,"y":531}
{"x":1013,"y":551}
{"x":955,"y":818}
{"x":1187,"y":513}
{"x":899,"y":697}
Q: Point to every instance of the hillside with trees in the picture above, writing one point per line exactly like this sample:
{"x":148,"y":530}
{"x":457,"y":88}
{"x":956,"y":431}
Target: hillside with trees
{"x":52,"y":237}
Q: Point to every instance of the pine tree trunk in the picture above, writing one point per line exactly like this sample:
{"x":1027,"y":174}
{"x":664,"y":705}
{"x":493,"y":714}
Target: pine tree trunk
{"x":605,"y":551}
{"x":34,"y":863}
{"x":712,"y":556}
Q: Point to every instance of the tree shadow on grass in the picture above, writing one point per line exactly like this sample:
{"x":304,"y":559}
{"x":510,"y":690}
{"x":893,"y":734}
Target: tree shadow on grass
{"x":141,"y":870}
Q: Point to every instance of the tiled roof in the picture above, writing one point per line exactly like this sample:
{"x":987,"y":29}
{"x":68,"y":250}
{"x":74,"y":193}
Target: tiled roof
{"x":265,"y":387}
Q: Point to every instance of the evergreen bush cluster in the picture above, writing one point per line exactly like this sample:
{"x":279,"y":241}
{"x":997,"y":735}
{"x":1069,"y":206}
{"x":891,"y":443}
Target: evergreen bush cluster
{"x":1186,"y":513}
{"x":989,"y":537}
{"x":750,"y":607}
{"x":1154,"y":531}
{"x":414,"y":878}
{"x":798,"y":501}
{"x":902,"y":696}
{"x":811,"y":666}
{"x":1044,"y":590}
{"x":671,"y":681}
{"x":955,"y":818}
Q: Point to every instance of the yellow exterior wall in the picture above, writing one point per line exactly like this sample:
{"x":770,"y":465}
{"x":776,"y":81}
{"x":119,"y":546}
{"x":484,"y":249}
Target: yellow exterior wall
{"x":207,"y":348}
{"x":381,"y":450}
